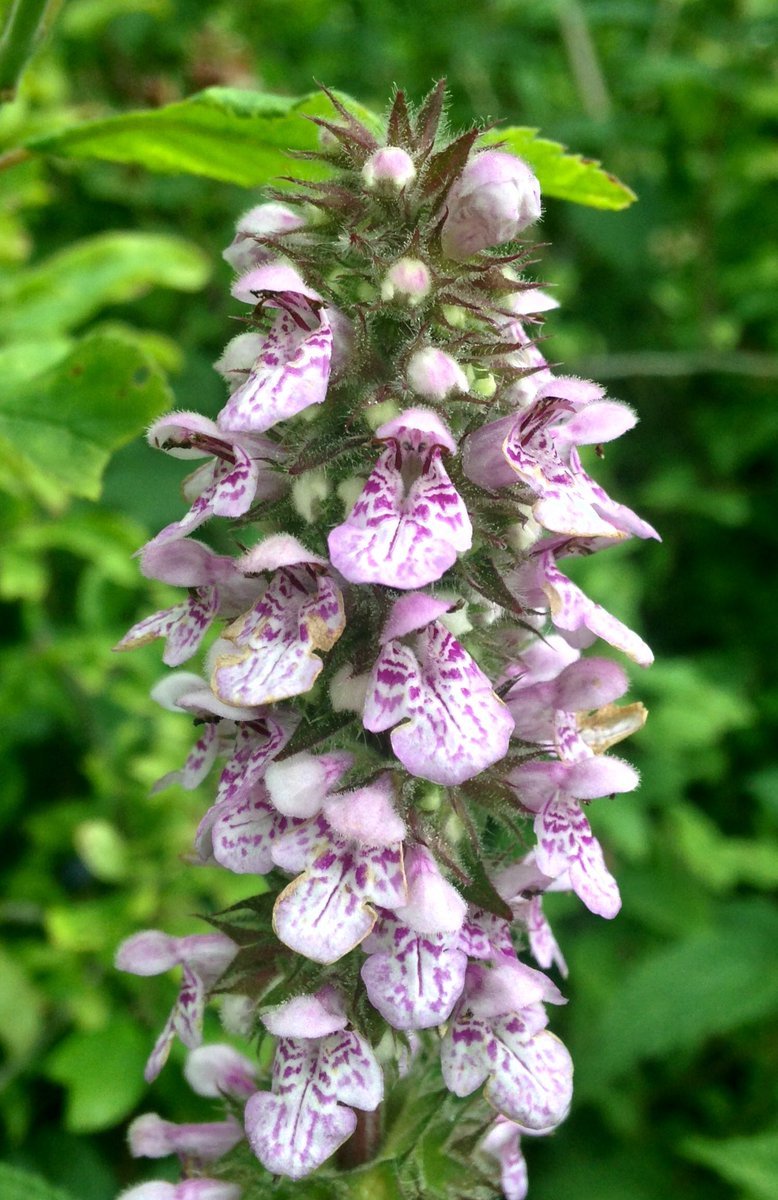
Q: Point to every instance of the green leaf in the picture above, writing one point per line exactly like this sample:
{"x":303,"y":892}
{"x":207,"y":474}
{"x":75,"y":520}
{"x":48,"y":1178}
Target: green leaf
{"x":750,"y":1163}
{"x":21,"y":361}
{"x":21,"y":1011}
{"x":227,"y":134}
{"x":79,"y":1064}
{"x":72,"y":285}
{"x":25,"y":26}
{"x":57,"y":432}
{"x":713,"y":982}
{"x":560,"y":174}
{"x":16,"y":1183}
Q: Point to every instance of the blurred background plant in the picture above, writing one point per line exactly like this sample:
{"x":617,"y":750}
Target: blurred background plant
{"x":113,"y":304}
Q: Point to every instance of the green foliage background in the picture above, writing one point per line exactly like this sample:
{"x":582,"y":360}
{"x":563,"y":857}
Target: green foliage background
{"x":113,"y":297}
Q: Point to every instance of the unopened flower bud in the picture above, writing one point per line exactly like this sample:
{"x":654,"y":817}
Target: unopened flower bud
{"x":264,"y":220}
{"x":388,"y":169}
{"x":408,"y":280}
{"x":347,"y":690}
{"x":492,"y":201}
{"x":309,"y":490}
{"x":433,"y":374}
{"x":434,"y":906}
{"x":218,"y":1070}
{"x":297,"y":785}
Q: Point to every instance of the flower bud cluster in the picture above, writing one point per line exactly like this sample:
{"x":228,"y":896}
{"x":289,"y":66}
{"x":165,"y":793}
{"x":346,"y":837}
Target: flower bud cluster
{"x":393,"y":662}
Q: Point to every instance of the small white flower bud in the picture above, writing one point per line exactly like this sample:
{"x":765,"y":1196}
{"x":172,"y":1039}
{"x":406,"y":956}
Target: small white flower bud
{"x":238,"y":1014}
{"x":408,"y":280}
{"x":297,"y":785}
{"x":349,"y":490}
{"x":348,"y":691}
{"x":388,"y":169}
{"x":308,"y":491}
{"x":433,"y":374}
{"x":523,"y":534}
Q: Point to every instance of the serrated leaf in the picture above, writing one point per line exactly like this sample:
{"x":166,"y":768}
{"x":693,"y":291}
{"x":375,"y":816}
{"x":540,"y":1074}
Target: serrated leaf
{"x":563,"y":175}
{"x":58,"y":431}
{"x":79,"y":1064}
{"x":69,"y":287}
{"x":17,"y":1183}
{"x":228,"y":134}
{"x":749,"y":1163}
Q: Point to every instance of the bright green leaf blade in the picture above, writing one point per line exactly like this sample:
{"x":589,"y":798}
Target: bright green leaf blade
{"x":562,"y":175}
{"x":68,"y":288}
{"x":222,"y":133}
{"x":711,"y":983}
{"x":24,"y":360}
{"x":21,"y":1010}
{"x":750,"y":1163}
{"x":16,"y":1183}
{"x":58,"y":431}
{"x":79,"y":1064}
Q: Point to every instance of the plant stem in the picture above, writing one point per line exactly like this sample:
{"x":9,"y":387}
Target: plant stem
{"x":363,"y":1144}
{"x":27,"y":23}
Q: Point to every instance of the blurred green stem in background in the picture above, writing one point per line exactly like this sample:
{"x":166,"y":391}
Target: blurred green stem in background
{"x":27,"y":22}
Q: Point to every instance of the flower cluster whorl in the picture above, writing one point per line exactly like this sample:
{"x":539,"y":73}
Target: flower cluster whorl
{"x":414,"y":465}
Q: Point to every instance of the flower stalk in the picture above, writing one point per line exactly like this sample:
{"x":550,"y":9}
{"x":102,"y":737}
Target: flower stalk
{"x":395,"y":686}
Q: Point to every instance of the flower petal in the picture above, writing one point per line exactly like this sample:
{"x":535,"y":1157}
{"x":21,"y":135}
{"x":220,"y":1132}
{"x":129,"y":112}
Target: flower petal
{"x":414,"y":979}
{"x":399,"y":539}
{"x":291,"y":372}
{"x":275,"y":640}
{"x":325,"y":912}
{"x":566,"y":843}
{"x":295,"y":1132}
{"x":303,"y":1121}
{"x":456,"y":725}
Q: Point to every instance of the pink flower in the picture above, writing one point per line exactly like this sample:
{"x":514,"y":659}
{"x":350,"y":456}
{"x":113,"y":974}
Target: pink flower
{"x":566,"y":843}
{"x":453,"y":724}
{"x":268,"y":653}
{"x":239,"y":471}
{"x":204,"y":957}
{"x":498,"y":1036}
{"x":350,"y":857}
{"x":493,"y":200}
{"x":539,"y":584}
{"x":292,"y":369}
{"x":150,"y":1136}
{"x":320,"y":1070}
{"x":216,"y":588}
{"x":240,"y":831}
{"x":409,"y":524}
{"x":262,"y":221}
{"x":250,"y":736}
{"x":538,"y":449}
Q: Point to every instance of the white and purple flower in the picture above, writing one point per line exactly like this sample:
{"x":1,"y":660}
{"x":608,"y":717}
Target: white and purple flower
{"x":409,"y":524}
{"x":322,"y":1071}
